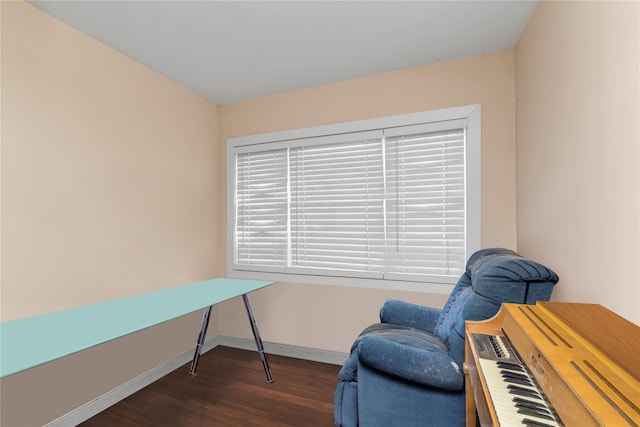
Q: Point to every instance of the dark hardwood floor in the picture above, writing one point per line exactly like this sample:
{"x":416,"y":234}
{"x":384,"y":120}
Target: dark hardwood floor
{"x":231,"y":390}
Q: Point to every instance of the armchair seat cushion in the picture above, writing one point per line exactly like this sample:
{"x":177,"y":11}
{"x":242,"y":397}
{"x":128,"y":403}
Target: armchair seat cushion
{"x":412,"y":355}
{"x":385,"y":350}
{"x":405,"y":335}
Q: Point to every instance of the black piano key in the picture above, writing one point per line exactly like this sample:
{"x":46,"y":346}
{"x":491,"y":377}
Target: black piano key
{"x":506,"y":374}
{"x":538,"y":404}
{"x":533,"y":423}
{"x":513,"y":373}
{"x":534,"y":413}
{"x":536,"y":409}
{"x":510,"y":366}
{"x":532,"y":405}
{"x":517,"y":381}
{"x":514,"y":389}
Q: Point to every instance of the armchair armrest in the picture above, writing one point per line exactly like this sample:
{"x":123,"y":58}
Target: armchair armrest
{"x":430,"y":368}
{"x":407,"y":314}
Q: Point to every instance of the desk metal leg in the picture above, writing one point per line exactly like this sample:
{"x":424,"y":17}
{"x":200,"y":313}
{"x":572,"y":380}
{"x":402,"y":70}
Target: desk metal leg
{"x":203,"y":332}
{"x":256,"y":336}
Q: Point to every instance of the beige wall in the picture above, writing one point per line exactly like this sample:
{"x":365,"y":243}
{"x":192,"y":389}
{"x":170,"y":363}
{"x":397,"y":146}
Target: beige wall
{"x":329,"y":317}
{"x":108,"y":189}
{"x":578,"y":157}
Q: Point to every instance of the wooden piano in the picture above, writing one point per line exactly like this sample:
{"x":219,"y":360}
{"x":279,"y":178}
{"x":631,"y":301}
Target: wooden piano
{"x":553,"y":364}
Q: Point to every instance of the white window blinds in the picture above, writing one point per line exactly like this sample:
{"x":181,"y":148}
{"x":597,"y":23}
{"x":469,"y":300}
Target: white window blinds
{"x":381,"y":204}
{"x":425,"y":201}
{"x":337,"y":204}
{"x":261,"y":220}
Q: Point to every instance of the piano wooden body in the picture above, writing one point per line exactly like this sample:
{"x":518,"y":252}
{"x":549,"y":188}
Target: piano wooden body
{"x":583,"y":360}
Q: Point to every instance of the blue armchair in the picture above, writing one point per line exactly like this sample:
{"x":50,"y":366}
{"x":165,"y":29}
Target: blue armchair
{"x":407,"y":370}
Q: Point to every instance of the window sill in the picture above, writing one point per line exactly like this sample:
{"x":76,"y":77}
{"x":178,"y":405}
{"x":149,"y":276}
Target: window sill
{"x":353,"y":282}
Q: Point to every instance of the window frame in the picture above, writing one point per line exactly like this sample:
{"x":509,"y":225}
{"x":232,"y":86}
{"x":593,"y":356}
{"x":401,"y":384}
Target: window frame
{"x":472,"y":113}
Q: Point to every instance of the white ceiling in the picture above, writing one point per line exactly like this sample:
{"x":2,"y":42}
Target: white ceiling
{"x":231,"y":51}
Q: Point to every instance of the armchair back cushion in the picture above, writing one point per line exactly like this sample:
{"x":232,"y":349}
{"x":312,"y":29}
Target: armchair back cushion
{"x":491,"y":277}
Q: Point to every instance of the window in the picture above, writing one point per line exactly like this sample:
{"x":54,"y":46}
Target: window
{"x":387,"y":202}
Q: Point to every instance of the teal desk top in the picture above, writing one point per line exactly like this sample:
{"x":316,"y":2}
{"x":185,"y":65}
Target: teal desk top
{"x":32,"y":341}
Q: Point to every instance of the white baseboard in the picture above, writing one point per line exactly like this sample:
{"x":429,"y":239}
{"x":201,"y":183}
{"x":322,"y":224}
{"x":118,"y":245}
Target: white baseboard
{"x":316,"y":355}
{"x":114,"y":396}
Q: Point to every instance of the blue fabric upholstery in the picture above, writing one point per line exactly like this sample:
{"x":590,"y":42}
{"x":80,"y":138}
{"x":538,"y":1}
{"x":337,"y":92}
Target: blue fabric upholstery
{"x":407,"y":369}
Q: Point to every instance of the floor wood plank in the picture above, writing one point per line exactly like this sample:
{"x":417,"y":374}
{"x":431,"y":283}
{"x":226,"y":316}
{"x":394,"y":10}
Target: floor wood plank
{"x":231,"y":390}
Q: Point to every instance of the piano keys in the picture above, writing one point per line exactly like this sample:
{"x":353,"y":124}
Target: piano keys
{"x":517,"y":399}
{"x":553,"y":364}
